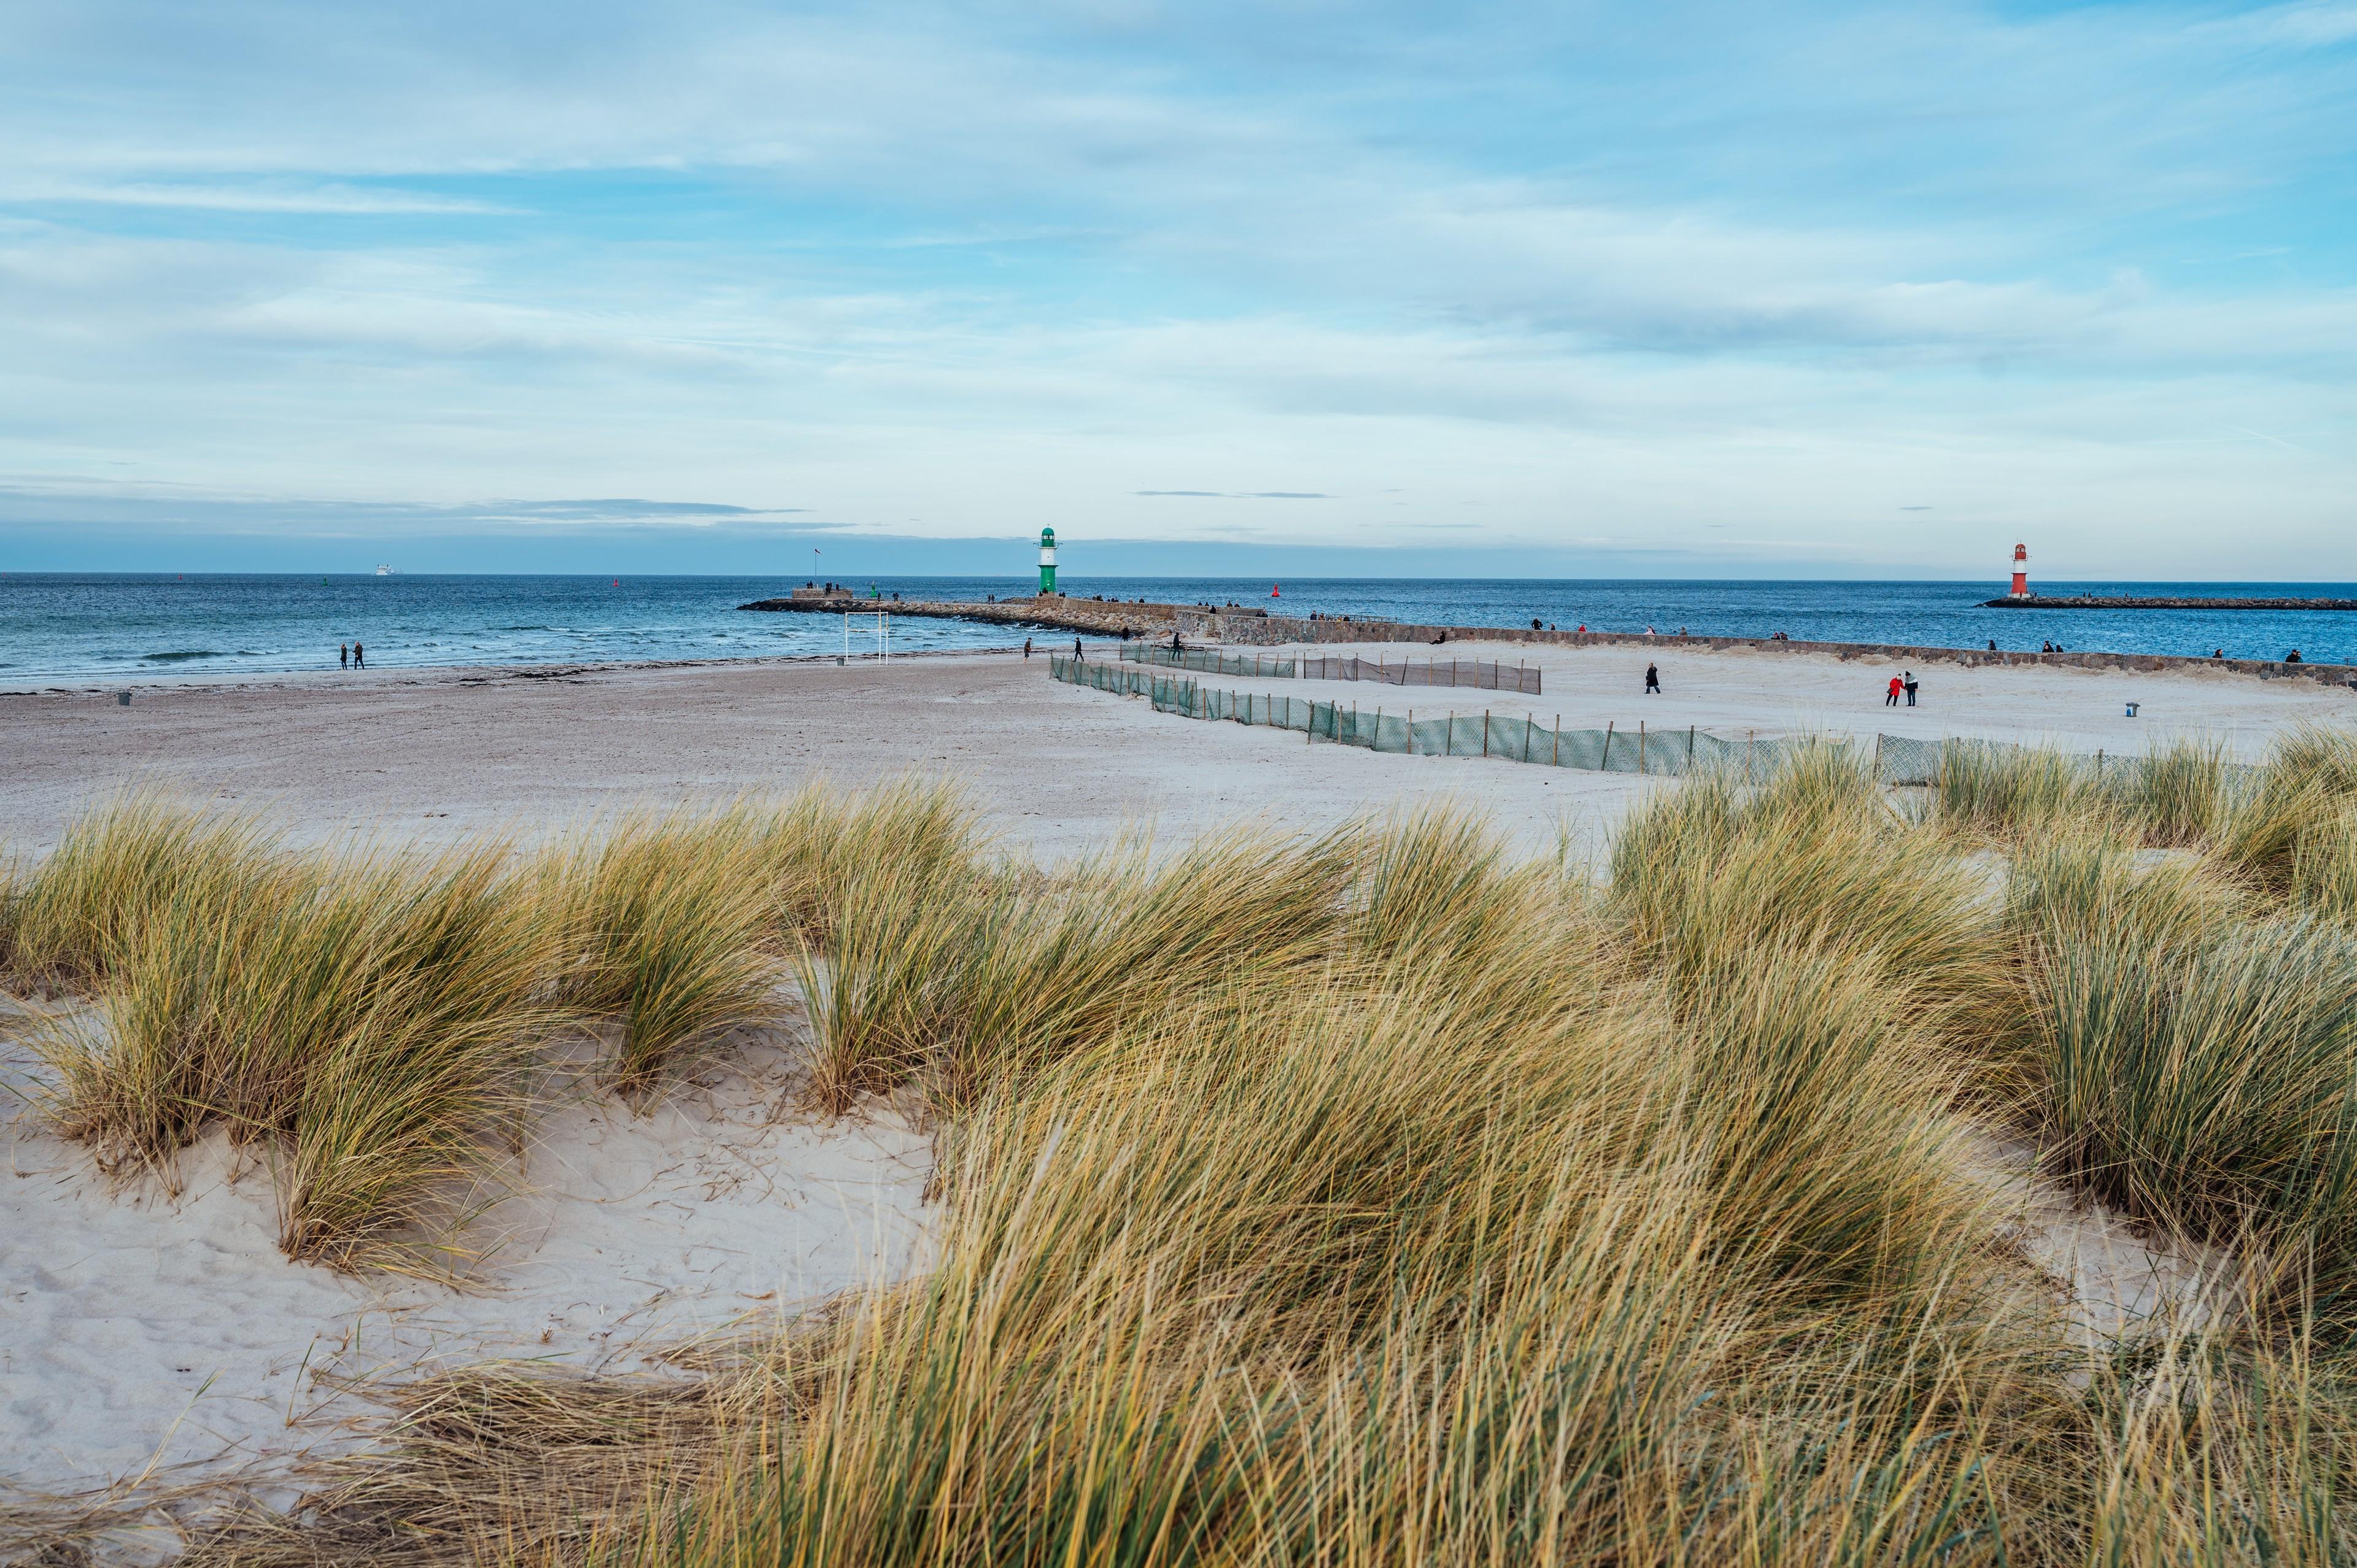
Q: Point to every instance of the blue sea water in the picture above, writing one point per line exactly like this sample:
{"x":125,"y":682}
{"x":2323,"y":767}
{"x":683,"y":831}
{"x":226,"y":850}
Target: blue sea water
{"x":124,"y":627}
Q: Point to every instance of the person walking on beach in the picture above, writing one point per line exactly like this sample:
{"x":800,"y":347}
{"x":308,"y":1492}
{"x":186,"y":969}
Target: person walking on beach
{"x":343,"y":656}
{"x":359,"y":658}
{"x":1653,"y":682}
{"x":1890,"y":698}
{"x":1076,"y":648}
{"x":1911,"y":688}
{"x":1027,"y":647}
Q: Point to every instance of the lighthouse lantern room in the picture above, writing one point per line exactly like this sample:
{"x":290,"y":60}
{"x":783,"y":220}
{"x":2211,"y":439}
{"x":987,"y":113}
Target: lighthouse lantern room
{"x":1047,"y":562}
{"x":2020,"y":589}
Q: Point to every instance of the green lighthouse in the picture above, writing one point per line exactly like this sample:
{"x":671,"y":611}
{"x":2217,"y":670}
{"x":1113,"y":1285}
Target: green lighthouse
{"x":1047,"y":562}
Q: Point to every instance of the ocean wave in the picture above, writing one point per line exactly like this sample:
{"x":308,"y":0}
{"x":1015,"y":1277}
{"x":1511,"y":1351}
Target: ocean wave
{"x":179,"y":654}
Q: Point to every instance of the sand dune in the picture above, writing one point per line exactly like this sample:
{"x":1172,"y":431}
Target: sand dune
{"x":153,"y":1342}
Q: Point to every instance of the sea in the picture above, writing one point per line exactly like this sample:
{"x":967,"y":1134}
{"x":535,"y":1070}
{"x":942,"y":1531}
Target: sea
{"x":125,"y":627}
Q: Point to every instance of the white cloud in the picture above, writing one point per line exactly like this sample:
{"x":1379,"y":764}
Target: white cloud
{"x":273,"y":197}
{"x":1585,"y":268}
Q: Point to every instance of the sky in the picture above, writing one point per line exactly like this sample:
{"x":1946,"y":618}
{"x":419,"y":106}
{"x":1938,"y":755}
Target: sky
{"x":1659,"y":289}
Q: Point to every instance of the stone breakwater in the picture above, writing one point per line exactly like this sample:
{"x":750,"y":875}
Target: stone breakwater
{"x":2130,"y":602}
{"x":1101,"y":617}
{"x":1257,"y":629}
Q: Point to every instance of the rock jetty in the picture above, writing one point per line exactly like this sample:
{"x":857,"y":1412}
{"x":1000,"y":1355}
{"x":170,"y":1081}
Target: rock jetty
{"x":1251,"y":626}
{"x":2136,"y":602}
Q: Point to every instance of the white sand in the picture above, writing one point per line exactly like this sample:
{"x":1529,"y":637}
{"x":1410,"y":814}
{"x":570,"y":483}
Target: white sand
{"x":1733,"y":693}
{"x":148,"y":1342}
{"x":1056,"y":767}
{"x":158,"y":1340}
{"x":2116,"y":1279}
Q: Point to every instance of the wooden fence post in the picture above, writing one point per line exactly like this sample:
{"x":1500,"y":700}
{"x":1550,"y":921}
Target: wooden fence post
{"x":1554,"y":752}
{"x":1605,"y":766}
{"x":1485,"y":732}
{"x":1640,"y":748}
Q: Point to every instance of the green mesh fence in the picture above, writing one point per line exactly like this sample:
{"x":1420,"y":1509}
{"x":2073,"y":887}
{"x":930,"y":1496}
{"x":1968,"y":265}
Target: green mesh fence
{"x":1474,"y":674}
{"x":1897,"y":760}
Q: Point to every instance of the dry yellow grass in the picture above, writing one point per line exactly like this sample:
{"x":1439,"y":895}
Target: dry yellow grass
{"x":1377,"y":1199}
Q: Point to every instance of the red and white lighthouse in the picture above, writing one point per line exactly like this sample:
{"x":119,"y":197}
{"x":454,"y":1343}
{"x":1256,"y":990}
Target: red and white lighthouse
{"x":2020,"y":589}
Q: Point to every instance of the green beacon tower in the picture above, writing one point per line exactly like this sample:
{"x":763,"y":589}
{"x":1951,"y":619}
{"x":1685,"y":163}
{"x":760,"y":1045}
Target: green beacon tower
{"x":1047,"y":562}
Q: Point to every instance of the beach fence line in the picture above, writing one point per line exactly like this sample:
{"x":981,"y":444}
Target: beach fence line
{"x":1508,"y":737}
{"x":1476,"y":674}
{"x":1505,"y":736}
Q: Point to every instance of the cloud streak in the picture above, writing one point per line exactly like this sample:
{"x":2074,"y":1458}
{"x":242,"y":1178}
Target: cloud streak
{"x":1578,"y":272}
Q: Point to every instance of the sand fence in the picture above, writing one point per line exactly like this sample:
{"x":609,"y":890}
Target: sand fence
{"x":1667,"y":753}
{"x":1476,"y":674}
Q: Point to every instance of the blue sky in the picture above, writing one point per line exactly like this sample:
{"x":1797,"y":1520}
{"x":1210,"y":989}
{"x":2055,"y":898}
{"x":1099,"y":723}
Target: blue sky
{"x":1659,"y":289}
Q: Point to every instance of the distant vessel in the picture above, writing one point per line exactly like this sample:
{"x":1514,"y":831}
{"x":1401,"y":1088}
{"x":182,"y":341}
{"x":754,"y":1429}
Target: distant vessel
{"x":384,"y":571}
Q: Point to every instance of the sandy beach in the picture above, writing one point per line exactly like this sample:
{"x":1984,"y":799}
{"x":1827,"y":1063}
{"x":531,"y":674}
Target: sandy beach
{"x":164,"y":1340}
{"x":424,"y":754}
{"x":150,"y":1342}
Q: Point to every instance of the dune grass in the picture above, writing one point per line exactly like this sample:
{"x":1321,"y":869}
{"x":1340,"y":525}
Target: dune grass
{"x":1377,"y":1198}
{"x":2208,"y":1079}
{"x":374,"y":1022}
{"x":2004,"y":791}
{"x":668,"y":920}
{"x":371,"y":1019}
{"x":1371,"y":1270}
{"x":69,"y":924}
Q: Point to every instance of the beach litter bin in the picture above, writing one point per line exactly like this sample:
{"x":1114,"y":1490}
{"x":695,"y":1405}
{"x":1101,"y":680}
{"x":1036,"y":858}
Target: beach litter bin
{"x":122,"y":699}
{"x":2132,"y":708}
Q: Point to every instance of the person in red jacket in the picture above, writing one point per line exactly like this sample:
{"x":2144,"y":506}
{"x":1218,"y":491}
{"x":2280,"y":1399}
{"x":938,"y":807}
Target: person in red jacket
{"x":1890,"y":699}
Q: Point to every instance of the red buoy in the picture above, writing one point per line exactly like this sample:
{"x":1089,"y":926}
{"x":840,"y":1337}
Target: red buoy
{"x":1273,"y":593}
